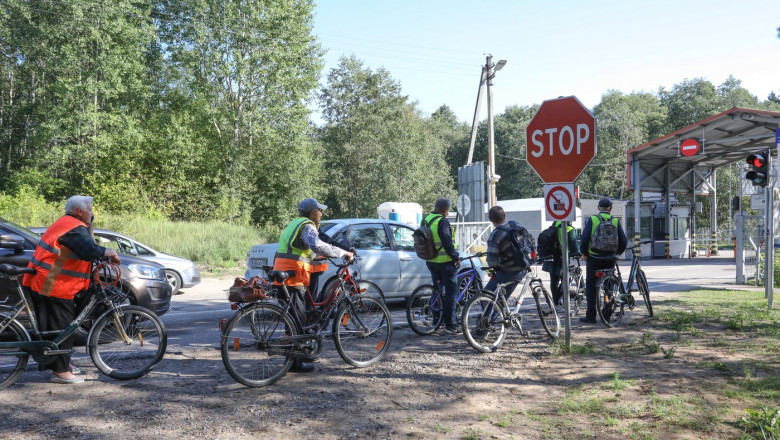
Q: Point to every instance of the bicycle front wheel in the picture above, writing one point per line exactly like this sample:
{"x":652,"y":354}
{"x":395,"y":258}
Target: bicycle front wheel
{"x":644,"y":290}
{"x":424,"y":310}
{"x":123,"y":359}
{"x":251,"y":350}
{"x":610,"y":305}
{"x":547,"y":313}
{"x":12,"y":365}
{"x":362,"y":330}
{"x":484,"y":322}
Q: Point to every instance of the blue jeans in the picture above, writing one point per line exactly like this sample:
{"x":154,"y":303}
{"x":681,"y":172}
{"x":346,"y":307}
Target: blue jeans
{"x":446,"y":275}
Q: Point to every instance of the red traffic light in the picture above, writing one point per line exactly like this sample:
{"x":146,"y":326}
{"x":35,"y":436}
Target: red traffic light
{"x":757,"y":160}
{"x":759,"y":172}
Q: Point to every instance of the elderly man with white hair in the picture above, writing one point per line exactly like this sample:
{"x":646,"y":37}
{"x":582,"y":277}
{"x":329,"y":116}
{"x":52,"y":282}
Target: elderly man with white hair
{"x":62,"y":261}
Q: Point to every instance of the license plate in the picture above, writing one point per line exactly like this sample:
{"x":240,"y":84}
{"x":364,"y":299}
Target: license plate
{"x":258,"y":263}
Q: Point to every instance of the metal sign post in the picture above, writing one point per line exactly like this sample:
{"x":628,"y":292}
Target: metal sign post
{"x":565,"y":279}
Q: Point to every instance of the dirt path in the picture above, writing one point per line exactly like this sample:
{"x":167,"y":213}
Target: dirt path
{"x":427,"y":387}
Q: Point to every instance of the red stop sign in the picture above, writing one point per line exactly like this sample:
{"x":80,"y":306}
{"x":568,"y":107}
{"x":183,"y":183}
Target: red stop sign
{"x":561,"y":140}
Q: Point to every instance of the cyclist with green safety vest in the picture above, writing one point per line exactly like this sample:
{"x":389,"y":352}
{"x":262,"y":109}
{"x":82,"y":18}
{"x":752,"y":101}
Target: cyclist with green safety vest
{"x":555,"y":266}
{"x":444,"y":267}
{"x":298,"y":245}
{"x":598,"y":260}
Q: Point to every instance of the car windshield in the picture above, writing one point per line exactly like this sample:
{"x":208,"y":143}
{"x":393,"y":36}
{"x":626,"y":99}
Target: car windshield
{"x":24,"y":231}
{"x":324,"y":226}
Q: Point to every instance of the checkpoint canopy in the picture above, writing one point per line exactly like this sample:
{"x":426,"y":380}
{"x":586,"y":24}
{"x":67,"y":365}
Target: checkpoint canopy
{"x":720,"y":140}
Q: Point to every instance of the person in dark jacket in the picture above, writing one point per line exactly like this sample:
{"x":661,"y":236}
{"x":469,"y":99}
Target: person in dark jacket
{"x":499,"y":253}
{"x":595,"y":260}
{"x":555,"y":266}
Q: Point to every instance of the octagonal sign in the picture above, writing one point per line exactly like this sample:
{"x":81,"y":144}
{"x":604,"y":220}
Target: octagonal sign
{"x":561,"y":140}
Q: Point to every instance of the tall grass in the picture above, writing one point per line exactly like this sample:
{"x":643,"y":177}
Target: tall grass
{"x":214,"y":246}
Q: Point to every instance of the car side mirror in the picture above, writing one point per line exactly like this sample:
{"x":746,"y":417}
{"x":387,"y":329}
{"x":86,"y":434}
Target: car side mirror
{"x":12,"y":241}
{"x":133,"y":251}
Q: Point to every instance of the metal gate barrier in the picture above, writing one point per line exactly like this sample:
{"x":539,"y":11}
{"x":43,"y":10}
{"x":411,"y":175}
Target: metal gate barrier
{"x":750,"y":248}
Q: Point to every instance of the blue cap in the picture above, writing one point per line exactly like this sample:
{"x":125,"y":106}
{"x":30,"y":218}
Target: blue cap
{"x":605,"y":203}
{"x":308,"y":205}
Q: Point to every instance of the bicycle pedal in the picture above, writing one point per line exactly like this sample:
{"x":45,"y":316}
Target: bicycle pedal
{"x":525,"y":333}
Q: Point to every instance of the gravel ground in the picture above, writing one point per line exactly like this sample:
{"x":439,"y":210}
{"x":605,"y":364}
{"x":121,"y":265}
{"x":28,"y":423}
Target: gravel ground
{"x":426,"y":387}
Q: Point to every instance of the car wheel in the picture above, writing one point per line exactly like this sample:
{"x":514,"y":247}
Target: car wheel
{"x":174,"y":280}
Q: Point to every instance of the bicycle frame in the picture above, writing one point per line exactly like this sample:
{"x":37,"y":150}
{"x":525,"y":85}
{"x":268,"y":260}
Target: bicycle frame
{"x":40,"y":348}
{"x":530,"y":281}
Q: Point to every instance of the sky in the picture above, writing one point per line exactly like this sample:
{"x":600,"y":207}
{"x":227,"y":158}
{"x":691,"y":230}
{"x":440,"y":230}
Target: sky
{"x":436,"y":48}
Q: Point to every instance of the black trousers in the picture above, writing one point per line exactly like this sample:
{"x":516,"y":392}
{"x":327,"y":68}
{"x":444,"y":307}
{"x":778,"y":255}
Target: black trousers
{"x":55,"y":314}
{"x":555,"y":287}
{"x":591,"y":266}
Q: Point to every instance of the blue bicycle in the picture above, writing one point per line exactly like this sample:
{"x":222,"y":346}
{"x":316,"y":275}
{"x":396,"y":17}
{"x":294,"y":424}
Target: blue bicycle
{"x":424,"y":307}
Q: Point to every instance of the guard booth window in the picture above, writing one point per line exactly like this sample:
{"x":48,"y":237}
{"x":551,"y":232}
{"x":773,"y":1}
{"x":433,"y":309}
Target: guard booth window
{"x":644,"y":225}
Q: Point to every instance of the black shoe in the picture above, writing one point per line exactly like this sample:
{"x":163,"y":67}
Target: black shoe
{"x":451,"y":330}
{"x":588,"y":320}
{"x":302,"y":367}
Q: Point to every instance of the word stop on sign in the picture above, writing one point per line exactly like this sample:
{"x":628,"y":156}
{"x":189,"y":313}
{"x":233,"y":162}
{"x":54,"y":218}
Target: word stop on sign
{"x":566,"y":140}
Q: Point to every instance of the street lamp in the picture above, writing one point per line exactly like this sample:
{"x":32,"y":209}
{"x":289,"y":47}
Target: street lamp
{"x":486,"y":79}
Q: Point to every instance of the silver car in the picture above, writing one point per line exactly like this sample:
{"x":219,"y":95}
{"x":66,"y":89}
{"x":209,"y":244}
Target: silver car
{"x":385,"y":255}
{"x":179,"y":272}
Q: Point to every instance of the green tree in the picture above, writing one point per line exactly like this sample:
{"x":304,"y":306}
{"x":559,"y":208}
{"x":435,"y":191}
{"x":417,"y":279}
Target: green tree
{"x":378,"y":147}
{"x":622,"y":122}
{"x":689,"y":102}
{"x":250,"y":68}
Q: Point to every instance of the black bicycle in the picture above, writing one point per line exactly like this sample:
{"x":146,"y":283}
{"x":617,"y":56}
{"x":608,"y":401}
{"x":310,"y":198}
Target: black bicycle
{"x":614,"y":297}
{"x":125,"y":342}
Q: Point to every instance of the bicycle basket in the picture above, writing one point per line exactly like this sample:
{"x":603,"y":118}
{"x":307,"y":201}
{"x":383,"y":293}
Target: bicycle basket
{"x":244,"y":290}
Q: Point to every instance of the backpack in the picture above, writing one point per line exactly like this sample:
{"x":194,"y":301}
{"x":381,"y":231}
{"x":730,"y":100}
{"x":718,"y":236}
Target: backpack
{"x":605,"y":237}
{"x":522,"y":245}
{"x":547,"y":244}
{"x":423,"y":242}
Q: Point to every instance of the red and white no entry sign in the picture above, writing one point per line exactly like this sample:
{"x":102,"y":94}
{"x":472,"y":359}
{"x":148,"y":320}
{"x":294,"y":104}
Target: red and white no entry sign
{"x":690,"y":147}
{"x":559,"y":202}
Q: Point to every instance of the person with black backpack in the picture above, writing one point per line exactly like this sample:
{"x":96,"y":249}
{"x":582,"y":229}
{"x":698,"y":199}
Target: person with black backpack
{"x":444,"y":262}
{"x":502,"y":254}
{"x":602,"y":240}
{"x":555,"y":266}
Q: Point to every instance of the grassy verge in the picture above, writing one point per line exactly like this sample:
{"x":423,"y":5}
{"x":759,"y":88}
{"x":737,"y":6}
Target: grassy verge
{"x":707,"y":366}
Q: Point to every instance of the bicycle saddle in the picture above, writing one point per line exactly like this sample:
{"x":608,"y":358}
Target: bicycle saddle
{"x":278,"y":275}
{"x":10,"y":270}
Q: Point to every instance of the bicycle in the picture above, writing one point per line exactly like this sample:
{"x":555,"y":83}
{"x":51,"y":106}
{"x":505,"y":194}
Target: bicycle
{"x":125,"y":342}
{"x":263,"y":338}
{"x":488,"y":315}
{"x":613,"y":296}
{"x":424,"y":306}
{"x":577,"y":298}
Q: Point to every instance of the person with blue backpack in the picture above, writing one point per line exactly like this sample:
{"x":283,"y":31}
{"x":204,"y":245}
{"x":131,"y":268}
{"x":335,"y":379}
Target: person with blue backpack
{"x":603,"y":239}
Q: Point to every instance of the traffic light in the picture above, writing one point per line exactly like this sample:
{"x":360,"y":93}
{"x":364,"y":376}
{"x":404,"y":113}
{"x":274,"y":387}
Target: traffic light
{"x":759,"y":168}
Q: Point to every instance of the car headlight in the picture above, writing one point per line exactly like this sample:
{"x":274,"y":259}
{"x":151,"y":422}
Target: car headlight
{"x":146,"y":272}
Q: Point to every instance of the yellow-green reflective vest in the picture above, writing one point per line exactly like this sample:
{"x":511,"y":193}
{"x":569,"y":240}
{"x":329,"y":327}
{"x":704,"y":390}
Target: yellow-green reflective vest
{"x":290,"y":242}
{"x":432,"y":220}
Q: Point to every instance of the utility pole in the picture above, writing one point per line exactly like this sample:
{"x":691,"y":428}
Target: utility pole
{"x":486,"y":80}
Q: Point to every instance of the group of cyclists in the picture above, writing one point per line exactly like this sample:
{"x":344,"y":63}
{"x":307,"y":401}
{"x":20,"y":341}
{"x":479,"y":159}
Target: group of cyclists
{"x":63,"y":255}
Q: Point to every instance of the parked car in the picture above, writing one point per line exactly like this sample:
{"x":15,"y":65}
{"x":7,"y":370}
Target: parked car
{"x":385,"y":255}
{"x":179,"y":272}
{"x":142,"y":280}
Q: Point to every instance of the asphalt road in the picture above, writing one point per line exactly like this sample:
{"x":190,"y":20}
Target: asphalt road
{"x":194,"y":317}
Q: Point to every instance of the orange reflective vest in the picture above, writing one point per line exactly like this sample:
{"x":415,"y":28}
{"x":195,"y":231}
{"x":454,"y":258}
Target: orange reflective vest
{"x":59,"y":272}
{"x":293,"y":256}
